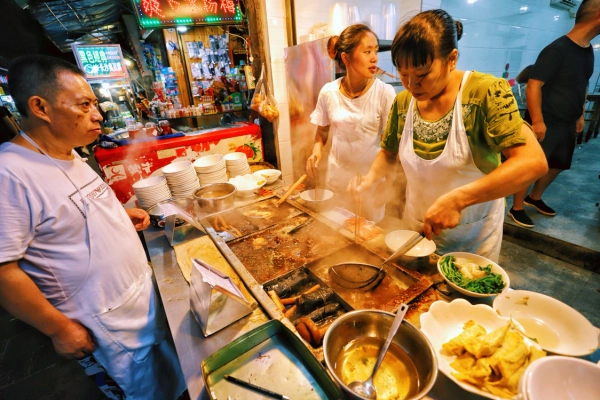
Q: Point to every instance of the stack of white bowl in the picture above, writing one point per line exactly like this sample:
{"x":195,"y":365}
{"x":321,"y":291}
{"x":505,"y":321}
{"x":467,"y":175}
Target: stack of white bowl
{"x":211,"y":169}
{"x":237,"y":164}
{"x":181,"y":178}
{"x":151,"y":190}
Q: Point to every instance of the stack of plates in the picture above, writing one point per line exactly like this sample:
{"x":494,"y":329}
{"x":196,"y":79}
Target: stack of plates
{"x":151,"y":190}
{"x":237,"y":164}
{"x":211,"y":169}
{"x":181,"y":178}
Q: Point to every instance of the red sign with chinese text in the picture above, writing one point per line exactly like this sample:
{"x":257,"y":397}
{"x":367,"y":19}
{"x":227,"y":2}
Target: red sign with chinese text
{"x":154,"y":13}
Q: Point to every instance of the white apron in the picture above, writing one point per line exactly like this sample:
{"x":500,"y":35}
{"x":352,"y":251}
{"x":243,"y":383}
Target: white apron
{"x":480,"y":227}
{"x":129,"y":328}
{"x":354,"y":145}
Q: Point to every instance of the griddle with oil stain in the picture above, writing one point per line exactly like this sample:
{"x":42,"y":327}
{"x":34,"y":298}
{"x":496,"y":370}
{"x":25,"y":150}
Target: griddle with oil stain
{"x":272,"y":252}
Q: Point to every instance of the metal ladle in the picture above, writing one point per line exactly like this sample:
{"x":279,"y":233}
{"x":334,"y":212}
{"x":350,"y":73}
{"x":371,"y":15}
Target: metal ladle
{"x":352,"y":275}
{"x":366,"y":388}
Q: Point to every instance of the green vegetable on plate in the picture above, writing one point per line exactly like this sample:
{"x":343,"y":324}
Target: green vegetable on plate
{"x":490,"y":282}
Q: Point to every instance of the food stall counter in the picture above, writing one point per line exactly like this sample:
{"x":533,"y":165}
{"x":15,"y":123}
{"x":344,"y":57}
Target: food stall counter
{"x":122,"y":166}
{"x":191,"y":345}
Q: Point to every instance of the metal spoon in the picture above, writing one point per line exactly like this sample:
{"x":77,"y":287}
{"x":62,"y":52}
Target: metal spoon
{"x":366,"y":388}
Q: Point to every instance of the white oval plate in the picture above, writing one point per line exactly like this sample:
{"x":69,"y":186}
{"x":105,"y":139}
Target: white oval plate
{"x":395,"y":239}
{"x":445,"y":321}
{"x":561,"y":329}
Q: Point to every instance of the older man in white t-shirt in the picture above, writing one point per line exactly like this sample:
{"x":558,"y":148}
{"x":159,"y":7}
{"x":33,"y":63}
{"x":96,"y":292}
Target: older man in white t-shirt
{"x":71,"y":262}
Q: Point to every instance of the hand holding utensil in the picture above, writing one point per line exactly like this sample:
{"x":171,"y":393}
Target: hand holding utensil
{"x":366,"y":388}
{"x":318,"y":194}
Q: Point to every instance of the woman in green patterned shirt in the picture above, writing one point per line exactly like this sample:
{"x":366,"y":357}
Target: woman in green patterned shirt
{"x":447,"y":129}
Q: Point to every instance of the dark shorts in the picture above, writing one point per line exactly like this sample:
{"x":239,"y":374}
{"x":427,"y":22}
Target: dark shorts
{"x":559,"y":144}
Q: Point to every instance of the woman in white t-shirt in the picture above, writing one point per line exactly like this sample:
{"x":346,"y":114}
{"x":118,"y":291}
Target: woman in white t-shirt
{"x":353,"y":111}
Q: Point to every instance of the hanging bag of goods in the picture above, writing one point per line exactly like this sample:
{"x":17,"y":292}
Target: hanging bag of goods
{"x":259,"y":96}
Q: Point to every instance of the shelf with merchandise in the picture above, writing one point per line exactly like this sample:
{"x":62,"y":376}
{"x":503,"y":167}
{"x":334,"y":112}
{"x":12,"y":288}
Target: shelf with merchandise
{"x":200,"y":116}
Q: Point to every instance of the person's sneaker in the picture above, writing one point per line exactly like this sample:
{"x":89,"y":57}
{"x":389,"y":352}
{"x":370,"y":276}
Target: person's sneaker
{"x":540,"y":206}
{"x":521,"y":218}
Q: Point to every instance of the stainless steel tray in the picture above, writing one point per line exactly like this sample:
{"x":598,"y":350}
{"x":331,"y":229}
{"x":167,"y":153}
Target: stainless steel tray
{"x":272,"y":357}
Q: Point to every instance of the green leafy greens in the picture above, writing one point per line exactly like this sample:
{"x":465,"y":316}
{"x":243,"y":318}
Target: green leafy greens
{"x":489,"y":284}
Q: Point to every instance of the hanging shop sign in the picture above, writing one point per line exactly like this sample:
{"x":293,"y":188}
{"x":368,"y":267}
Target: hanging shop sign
{"x":101,"y":61}
{"x":160,"y":13}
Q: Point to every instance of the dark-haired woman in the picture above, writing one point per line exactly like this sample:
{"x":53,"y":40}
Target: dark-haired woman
{"x":353,"y":111}
{"x":447,"y":129}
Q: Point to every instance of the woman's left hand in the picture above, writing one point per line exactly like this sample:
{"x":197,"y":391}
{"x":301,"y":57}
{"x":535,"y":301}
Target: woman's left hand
{"x":444,"y":213}
{"x":139,"y":218}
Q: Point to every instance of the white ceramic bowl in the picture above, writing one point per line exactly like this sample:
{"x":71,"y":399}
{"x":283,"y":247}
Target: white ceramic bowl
{"x":445,"y":321}
{"x":207,"y":162}
{"x":235,"y":157}
{"x":324,"y":203}
{"x":559,"y":377}
{"x":271,"y":175}
{"x":482,"y":261}
{"x":247,"y":184}
{"x":150,"y":182}
{"x":558,"y":328}
{"x":395,"y":239}
{"x":178,"y":167}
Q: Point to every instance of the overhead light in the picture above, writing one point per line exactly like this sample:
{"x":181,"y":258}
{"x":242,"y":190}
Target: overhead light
{"x":524,"y":8}
{"x":105,"y":85}
{"x":182,"y":29}
{"x":128,"y":62}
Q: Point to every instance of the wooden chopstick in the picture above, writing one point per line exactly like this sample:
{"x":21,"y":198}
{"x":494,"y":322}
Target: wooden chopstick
{"x":291,"y":190}
{"x":357,"y":214}
{"x":317,"y":197}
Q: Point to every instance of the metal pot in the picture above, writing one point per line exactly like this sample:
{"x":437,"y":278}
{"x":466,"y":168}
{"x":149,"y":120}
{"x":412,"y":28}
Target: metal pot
{"x":376,"y":323}
{"x":216,"y":197}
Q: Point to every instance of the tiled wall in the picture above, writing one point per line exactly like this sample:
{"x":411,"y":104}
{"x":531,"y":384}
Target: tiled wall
{"x":508,"y":31}
{"x":277,"y":42}
{"x":496,"y":32}
{"x":309,"y":13}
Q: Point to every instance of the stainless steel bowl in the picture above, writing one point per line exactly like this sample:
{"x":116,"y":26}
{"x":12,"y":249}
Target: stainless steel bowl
{"x":216,"y":197}
{"x":376,"y":323}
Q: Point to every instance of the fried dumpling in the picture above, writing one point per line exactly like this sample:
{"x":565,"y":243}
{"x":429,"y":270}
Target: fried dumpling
{"x":464,"y":363}
{"x":484,"y":346}
{"x":456,"y":345}
{"x":513,"y":353}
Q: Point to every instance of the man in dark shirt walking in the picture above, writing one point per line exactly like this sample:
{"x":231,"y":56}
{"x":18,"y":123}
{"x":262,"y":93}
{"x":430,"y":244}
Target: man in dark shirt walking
{"x":556,"y":93}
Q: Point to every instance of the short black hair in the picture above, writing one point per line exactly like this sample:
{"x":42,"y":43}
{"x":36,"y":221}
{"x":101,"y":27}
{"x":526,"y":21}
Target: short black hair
{"x":426,"y":36}
{"x":36,"y":75}
{"x":586,"y":10}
